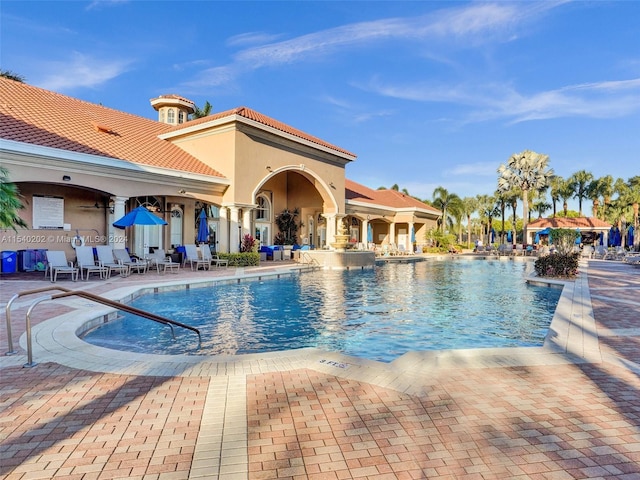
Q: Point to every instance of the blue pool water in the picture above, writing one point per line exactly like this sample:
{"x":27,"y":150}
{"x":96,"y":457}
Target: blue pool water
{"x":377,"y":314}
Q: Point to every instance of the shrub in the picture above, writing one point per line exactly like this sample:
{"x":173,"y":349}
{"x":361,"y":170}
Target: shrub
{"x":244,"y":259}
{"x":557,"y":265}
{"x":248,"y":242}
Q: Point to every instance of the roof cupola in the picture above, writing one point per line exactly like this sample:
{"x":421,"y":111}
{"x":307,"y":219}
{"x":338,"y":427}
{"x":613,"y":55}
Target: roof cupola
{"x":173,"y":109}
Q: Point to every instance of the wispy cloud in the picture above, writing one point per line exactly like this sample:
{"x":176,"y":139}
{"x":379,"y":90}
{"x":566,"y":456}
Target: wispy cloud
{"x":80,"y":71}
{"x":470,"y":24}
{"x":97,"y":4}
{"x":482,"y":169}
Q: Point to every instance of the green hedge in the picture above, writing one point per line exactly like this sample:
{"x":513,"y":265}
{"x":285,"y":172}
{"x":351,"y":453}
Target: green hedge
{"x":244,"y":259}
{"x":557,"y":265}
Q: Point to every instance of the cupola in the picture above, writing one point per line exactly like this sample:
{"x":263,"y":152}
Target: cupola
{"x":173,"y":109}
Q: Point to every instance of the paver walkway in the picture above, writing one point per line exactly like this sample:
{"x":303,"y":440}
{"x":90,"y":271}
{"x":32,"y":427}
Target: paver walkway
{"x":307,"y":417}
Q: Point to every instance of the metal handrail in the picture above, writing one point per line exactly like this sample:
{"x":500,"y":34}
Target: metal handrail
{"x":309,"y":259}
{"x":8,"y":310}
{"x":104,"y":301}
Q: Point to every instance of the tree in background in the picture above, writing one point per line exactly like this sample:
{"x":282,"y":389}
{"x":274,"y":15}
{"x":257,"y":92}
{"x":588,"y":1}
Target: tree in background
{"x":527,"y":171}
{"x":442,"y":199}
{"x":469,"y":205}
{"x":580,"y":182}
{"x":9,"y":203}
{"x":205,"y":111}
{"x":12,"y":76}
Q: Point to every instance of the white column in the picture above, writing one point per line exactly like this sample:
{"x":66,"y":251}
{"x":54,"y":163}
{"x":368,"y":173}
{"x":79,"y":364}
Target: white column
{"x":246,"y":222}
{"x":117,"y":237}
{"x":392,"y":232}
{"x":234,"y":230}
{"x":364,"y":232}
{"x":223,"y":231}
{"x":331,"y":227}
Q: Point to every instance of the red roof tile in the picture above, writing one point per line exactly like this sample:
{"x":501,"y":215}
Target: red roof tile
{"x":264,"y":120}
{"x":561,"y":222}
{"x":389,"y":198}
{"x":32,"y":115}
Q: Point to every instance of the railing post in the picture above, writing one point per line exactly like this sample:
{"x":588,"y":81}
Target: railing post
{"x":8,"y":315}
{"x":30,"y":363}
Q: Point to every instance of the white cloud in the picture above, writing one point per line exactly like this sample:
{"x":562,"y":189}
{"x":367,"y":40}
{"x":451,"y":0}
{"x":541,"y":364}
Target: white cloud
{"x":80,"y":71}
{"x":483,"y":169}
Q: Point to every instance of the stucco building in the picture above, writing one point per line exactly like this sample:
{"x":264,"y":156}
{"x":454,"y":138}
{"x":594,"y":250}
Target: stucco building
{"x":81,"y":166}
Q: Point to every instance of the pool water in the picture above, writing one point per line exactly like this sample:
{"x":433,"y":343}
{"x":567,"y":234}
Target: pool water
{"x":378,"y":314}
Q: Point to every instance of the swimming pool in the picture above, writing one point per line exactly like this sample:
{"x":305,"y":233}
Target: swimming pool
{"x":377,"y":314}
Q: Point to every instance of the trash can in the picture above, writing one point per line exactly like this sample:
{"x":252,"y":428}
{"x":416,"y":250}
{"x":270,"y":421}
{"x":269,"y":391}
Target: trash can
{"x":8,"y":261}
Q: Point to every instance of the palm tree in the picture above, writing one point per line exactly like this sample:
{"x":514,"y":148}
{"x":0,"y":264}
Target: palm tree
{"x":540,"y":207}
{"x":607,"y":191}
{"x":441,"y":200}
{"x":580,"y":182}
{"x":469,"y":205}
{"x":205,"y":111}
{"x":594,"y":192}
{"x":501,"y":198}
{"x":9,"y":203}
{"x":527,"y":171}
{"x":554,"y":191}
{"x":512,"y":201}
{"x":487,"y":210}
{"x":566,"y":192}
{"x":12,"y":76}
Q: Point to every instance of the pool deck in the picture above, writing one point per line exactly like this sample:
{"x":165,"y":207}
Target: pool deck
{"x":567,"y":410}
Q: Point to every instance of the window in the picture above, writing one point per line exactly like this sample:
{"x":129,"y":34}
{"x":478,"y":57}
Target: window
{"x":263,"y":212}
{"x":181,"y":117}
{"x":171,"y":116}
{"x":162,"y":115}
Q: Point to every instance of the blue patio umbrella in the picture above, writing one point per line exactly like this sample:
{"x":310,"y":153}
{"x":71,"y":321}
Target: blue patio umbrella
{"x":203,"y":228}
{"x":601,"y":238}
{"x":413,"y":235}
{"x":630,"y":238}
{"x":493,"y":235}
{"x":139,"y":216}
{"x":617,"y":237}
{"x":509,"y":237}
{"x":537,"y":239}
{"x":579,"y":239}
{"x":369,"y":233}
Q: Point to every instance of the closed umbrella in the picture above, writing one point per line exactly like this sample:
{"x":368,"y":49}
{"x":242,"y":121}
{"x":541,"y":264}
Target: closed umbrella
{"x":203,"y":228}
{"x":537,"y":239}
{"x":493,"y":235}
{"x":509,"y":237}
{"x":413,"y":235}
{"x":139,"y":216}
{"x":630,"y":238}
{"x":579,"y":239}
{"x":369,"y":233}
{"x":601,"y":238}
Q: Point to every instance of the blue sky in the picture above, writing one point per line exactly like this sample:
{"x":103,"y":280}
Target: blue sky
{"x":427,"y":94}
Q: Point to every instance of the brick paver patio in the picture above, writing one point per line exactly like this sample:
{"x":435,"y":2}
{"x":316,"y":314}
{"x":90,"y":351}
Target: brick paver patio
{"x":313,"y":419}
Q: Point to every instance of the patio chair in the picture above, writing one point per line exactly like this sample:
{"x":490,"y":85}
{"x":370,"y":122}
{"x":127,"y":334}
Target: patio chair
{"x":213,"y":259}
{"x":134,"y":264}
{"x":86,"y":262}
{"x":194,"y":259}
{"x":57,"y":263}
{"x":106,"y":259}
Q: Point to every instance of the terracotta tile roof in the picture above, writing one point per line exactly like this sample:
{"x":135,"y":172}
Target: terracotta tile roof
{"x":264,"y":120}
{"x":389,"y":198}
{"x":41,"y":117}
{"x":561,"y":222}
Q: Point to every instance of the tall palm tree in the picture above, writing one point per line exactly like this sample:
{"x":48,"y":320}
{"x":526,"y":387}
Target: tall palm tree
{"x":527,"y":171}
{"x":554,"y":191}
{"x":540,"y":207}
{"x":501,"y":199}
{"x":469,"y":205}
{"x":9,"y":203}
{"x":566,"y":193}
{"x":607,"y":192}
{"x":580,"y":182}
{"x":488,"y":211}
{"x":441,"y":200}
{"x":512,"y":201}
{"x":594,"y":192}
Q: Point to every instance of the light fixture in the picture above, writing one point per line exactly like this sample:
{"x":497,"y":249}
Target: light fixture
{"x":66,"y":178}
{"x":182,"y":191}
{"x":269,"y":168}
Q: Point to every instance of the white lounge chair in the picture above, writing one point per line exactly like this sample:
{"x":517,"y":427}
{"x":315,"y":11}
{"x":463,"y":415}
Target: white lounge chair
{"x":214,"y":260}
{"x":86,"y":263}
{"x":194,"y":259}
{"x":57,"y":263}
{"x":122,"y":256}
{"x":106,"y":259}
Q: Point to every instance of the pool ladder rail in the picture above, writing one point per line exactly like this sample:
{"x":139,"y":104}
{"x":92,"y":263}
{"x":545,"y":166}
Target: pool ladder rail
{"x":89,"y":296}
